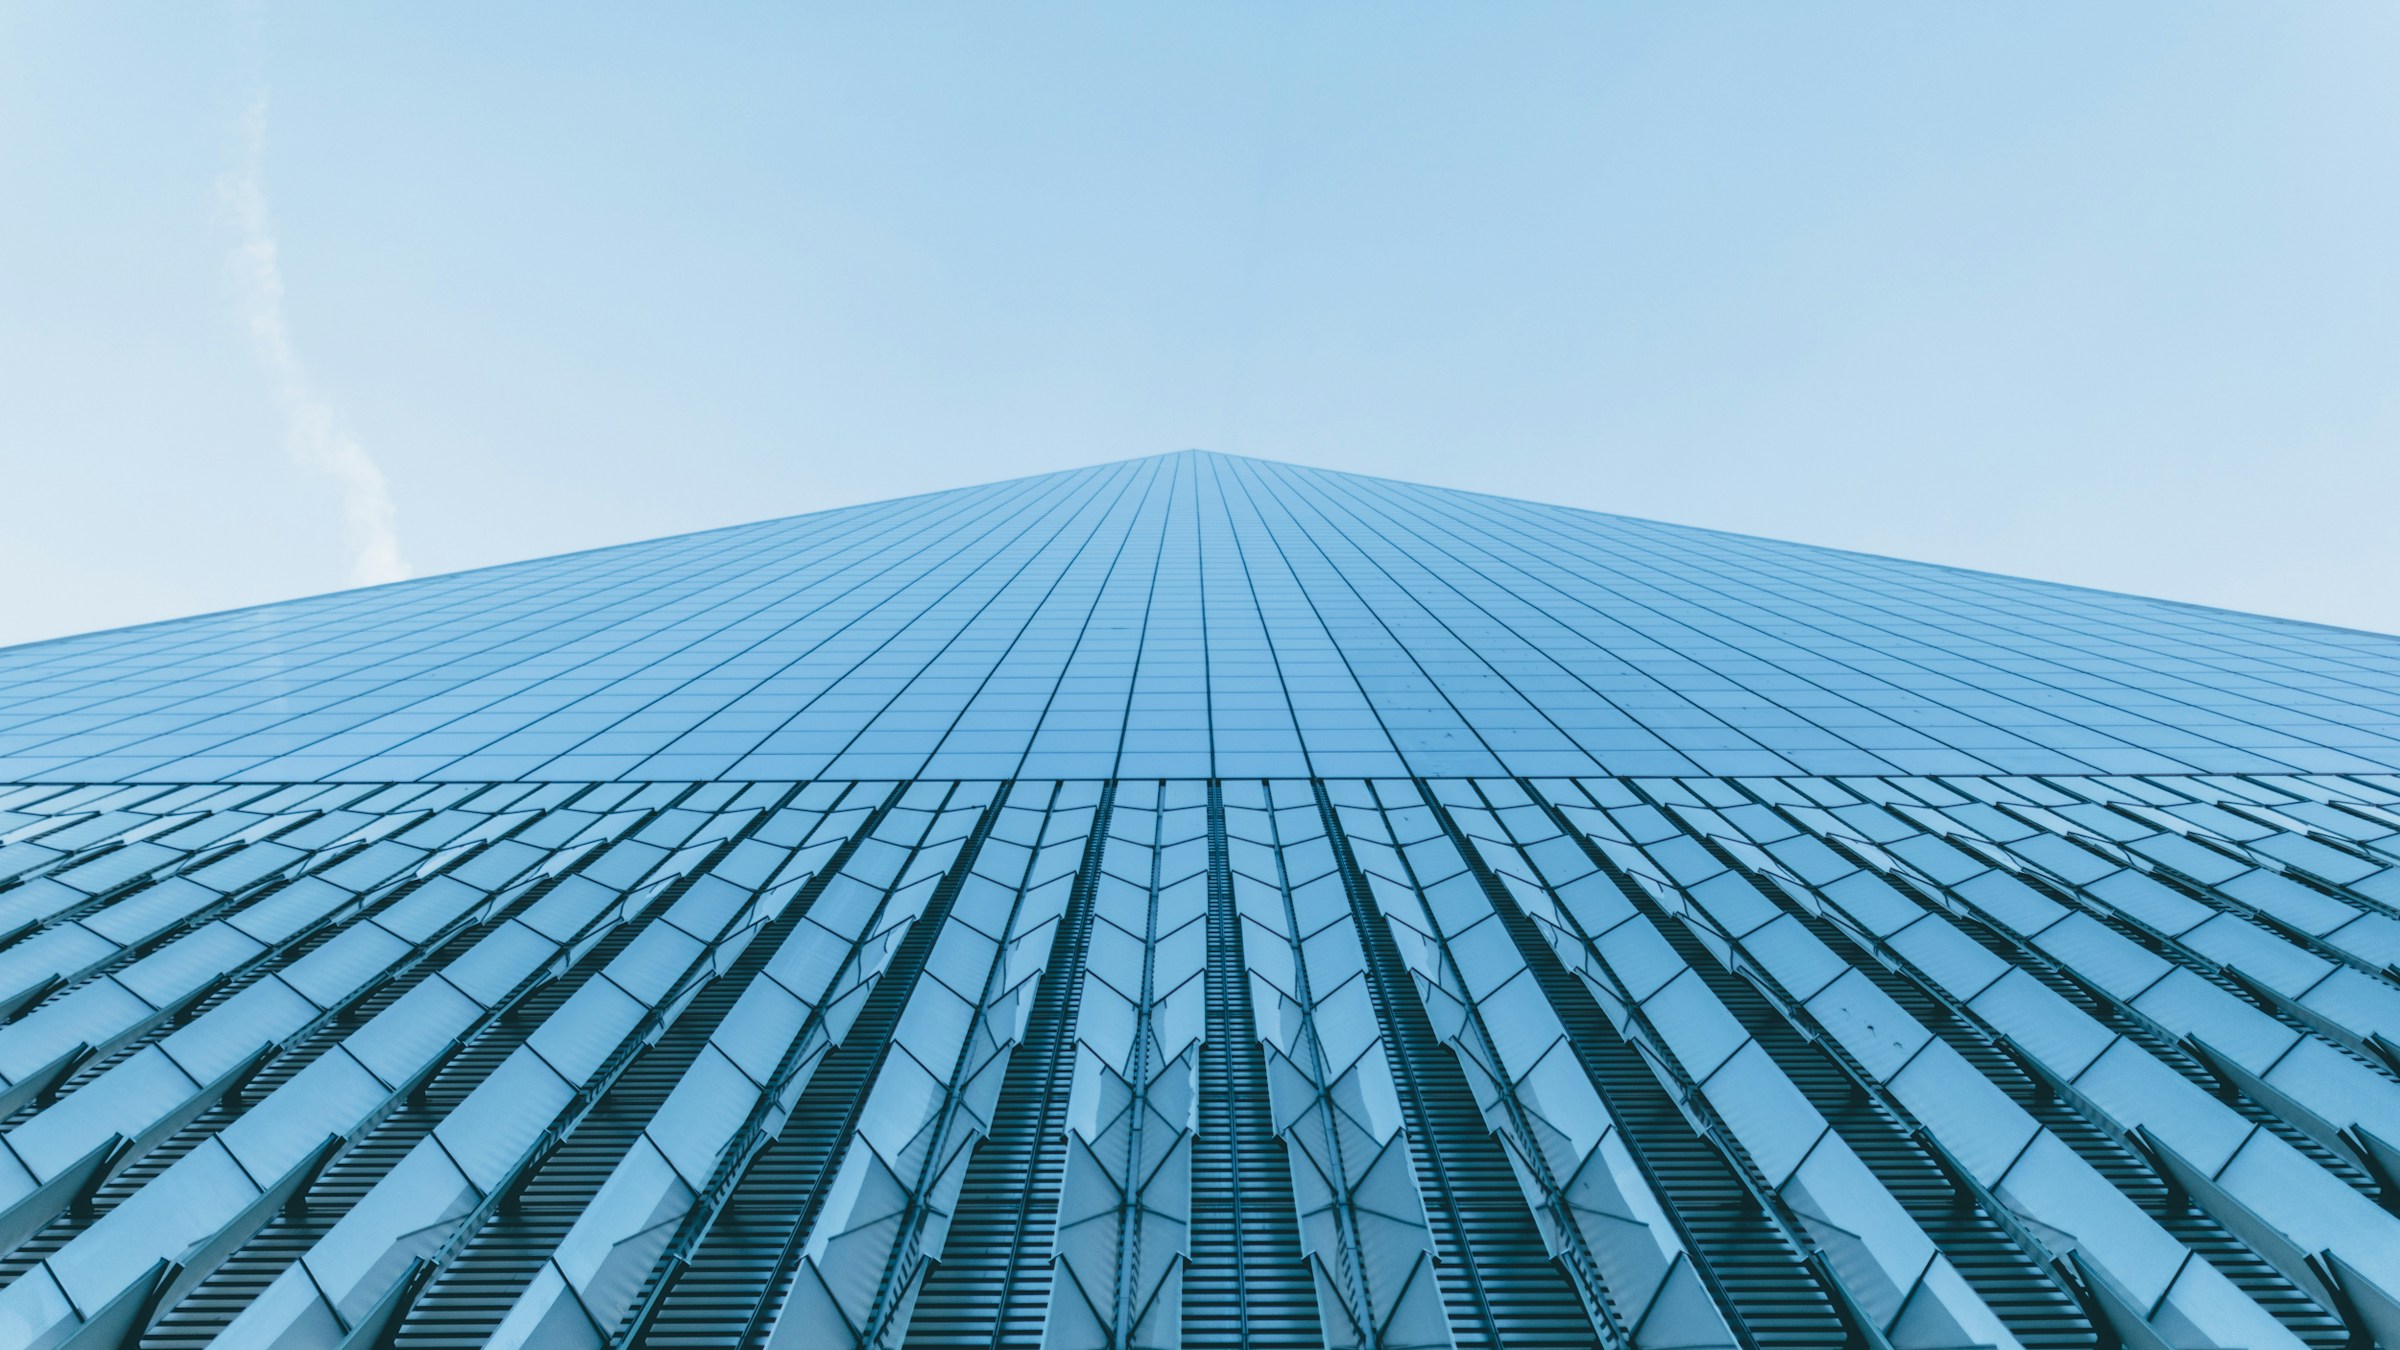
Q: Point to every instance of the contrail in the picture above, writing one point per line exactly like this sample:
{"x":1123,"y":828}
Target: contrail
{"x":315,"y":436}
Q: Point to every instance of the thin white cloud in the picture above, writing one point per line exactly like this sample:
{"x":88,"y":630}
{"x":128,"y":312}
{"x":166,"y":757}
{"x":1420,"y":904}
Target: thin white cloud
{"x":312,"y":431}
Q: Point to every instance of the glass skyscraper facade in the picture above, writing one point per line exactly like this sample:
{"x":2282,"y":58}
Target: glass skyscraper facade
{"x":1199,"y":901}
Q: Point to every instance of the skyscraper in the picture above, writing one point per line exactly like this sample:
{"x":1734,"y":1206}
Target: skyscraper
{"x":1200,"y":901}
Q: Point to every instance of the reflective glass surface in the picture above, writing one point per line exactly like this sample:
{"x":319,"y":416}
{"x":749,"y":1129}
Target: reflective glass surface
{"x":1202,"y":902}
{"x":1199,"y":615}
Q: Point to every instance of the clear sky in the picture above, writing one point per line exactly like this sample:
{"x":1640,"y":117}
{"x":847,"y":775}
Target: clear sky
{"x":296,"y":297}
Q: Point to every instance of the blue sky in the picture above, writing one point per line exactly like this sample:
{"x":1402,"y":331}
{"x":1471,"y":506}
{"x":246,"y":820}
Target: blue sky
{"x":292,"y":298}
